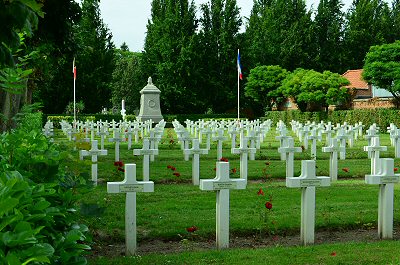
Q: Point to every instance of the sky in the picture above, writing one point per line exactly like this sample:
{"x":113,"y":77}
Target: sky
{"x":127,"y":19}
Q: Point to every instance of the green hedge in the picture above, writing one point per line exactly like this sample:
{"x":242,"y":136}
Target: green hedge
{"x":382,"y":117}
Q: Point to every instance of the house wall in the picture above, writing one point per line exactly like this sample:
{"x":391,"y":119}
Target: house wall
{"x":372,"y":103}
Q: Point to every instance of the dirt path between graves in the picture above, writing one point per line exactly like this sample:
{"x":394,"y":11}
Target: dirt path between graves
{"x":102,"y":248}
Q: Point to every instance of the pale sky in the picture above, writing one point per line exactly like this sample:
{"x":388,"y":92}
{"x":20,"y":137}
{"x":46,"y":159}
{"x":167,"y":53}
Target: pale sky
{"x":127,"y":19}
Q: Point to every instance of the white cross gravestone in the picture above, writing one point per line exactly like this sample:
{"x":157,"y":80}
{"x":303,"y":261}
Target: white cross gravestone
{"x":374,"y":149}
{"x":94,"y":152}
{"x":103,"y":133}
{"x":196,"y":152}
{"x":396,"y":143}
{"x":153,"y":139}
{"x":314,"y":137}
{"x":289,"y":151}
{"x":307,"y":182}
{"x":283,"y":138}
{"x":146,"y":152}
{"x":130,"y":186}
{"x":333,"y":149}
{"x":233,"y":131}
{"x":220,"y":139}
{"x":328,"y":131}
{"x":371,"y":133}
{"x":222,"y":184}
{"x":386,"y":180}
{"x":116,"y":139}
{"x":243,"y":150}
{"x":252,"y":138}
{"x":342,"y":137}
{"x":185,"y":139}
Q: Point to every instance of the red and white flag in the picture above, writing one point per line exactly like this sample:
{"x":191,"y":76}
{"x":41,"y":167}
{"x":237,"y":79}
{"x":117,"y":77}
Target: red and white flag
{"x":74,"y":69}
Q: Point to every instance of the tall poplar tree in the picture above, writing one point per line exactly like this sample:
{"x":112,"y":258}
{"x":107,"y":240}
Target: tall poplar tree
{"x":168,"y":53}
{"x":219,"y":40}
{"x":94,"y":59}
{"x":368,"y":24}
{"x":328,"y":34}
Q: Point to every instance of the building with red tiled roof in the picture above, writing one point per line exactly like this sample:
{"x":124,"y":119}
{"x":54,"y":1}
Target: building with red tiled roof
{"x":362,"y":88}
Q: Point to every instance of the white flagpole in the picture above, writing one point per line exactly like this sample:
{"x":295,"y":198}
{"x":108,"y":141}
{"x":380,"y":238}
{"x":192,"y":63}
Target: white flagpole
{"x":73,"y":69}
{"x":238,"y":90}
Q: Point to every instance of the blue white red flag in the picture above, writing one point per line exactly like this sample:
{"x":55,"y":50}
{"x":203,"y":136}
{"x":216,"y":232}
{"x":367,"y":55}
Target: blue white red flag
{"x":239,"y":67}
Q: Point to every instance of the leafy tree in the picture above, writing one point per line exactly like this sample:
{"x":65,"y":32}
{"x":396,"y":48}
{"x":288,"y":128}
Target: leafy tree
{"x":218,"y":40}
{"x":124,"y":47}
{"x":262,"y":82}
{"x":368,"y":24}
{"x":95,"y":59}
{"x":279,"y":32}
{"x":328,"y":34}
{"x":16,"y":17}
{"x":127,"y":80}
{"x":52,"y":78}
{"x":168,"y":53}
{"x":382,"y":68}
{"x":312,"y":90}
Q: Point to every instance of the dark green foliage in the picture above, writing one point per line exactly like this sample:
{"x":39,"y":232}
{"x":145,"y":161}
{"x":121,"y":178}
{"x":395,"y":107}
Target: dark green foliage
{"x":382,"y":68}
{"x":16,"y":17}
{"x":279,"y":33}
{"x":95,"y":60}
{"x":262,"y":84}
{"x":368,"y":23}
{"x":127,"y":80}
{"x":168,"y":54}
{"x":38,"y":221}
{"x":328,"y":33}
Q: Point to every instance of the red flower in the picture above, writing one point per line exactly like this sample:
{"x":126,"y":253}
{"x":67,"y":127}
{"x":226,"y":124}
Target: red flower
{"x":234,"y":170}
{"x":173,"y":168}
{"x":215,"y":169}
{"x":345,"y":169}
{"x":121,"y":169}
{"x":177,"y":174}
{"x":169,"y":166}
{"x":192,"y":229}
{"x":223,"y":159}
{"x":395,"y":169}
{"x":260,"y":192}
{"x":268,"y":205}
{"x":118,"y":164}
{"x":333,"y":254}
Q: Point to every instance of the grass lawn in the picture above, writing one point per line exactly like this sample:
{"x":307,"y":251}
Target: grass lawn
{"x":176,"y":205}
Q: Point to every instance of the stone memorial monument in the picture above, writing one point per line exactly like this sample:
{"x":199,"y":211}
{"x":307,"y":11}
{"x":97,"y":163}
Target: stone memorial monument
{"x":150,"y":103}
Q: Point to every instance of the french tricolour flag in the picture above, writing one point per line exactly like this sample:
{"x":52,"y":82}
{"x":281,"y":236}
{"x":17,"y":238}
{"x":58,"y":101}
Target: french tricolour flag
{"x":239,"y":67}
{"x":74,"y":69}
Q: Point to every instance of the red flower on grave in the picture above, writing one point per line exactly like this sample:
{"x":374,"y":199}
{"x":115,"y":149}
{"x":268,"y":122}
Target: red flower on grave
{"x":173,"y":168}
{"x":234,"y":170}
{"x":333,"y":254}
{"x":395,"y":169}
{"x":275,"y":238}
{"x":192,"y":229}
{"x":346,"y":169}
{"x":177,"y":174}
{"x":268,"y":205}
{"x":169,"y":166}
{"x":223,"y":159}
{"x":118,"y":164}
{"x":260,"y":192}
{"x":121,"y":169}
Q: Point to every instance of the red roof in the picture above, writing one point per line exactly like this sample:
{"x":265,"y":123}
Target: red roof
{"x":355,"y":78}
